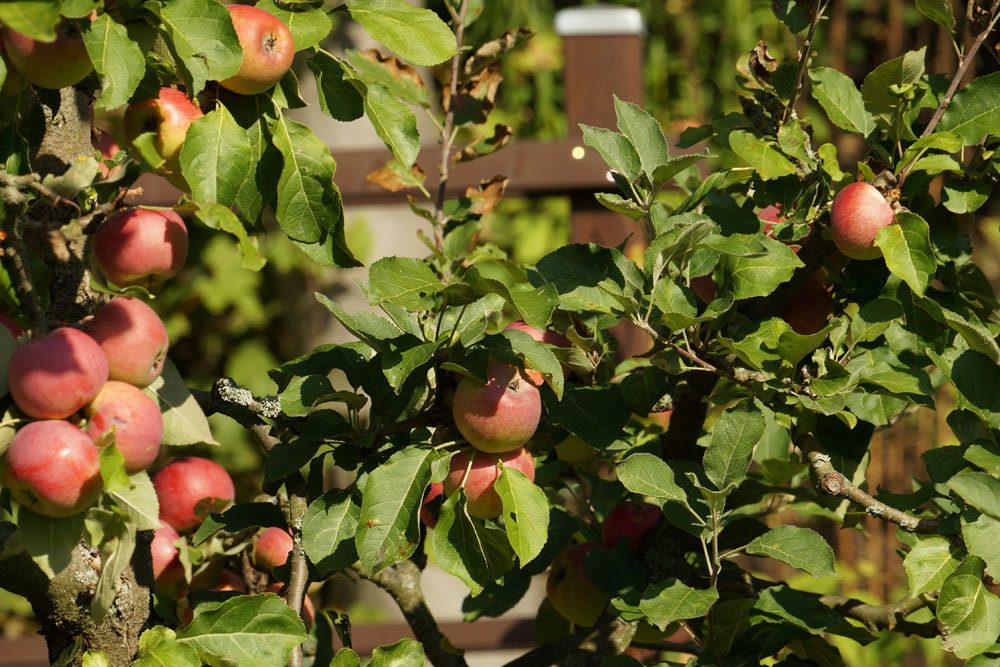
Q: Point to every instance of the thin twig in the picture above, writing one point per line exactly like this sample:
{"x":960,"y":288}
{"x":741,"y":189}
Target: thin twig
{"x":836,"y":484}
{"x":804,"y":57}
{"x":448,"y":132}
{"x":15,"y":254}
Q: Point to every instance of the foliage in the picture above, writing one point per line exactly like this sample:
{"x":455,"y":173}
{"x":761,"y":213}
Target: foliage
{"x":765,"y":412}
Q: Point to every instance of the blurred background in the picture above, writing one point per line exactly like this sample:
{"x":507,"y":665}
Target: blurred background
{"x":224,"y":320}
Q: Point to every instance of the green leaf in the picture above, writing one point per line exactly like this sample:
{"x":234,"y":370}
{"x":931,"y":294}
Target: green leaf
{"x":217,"y":216}
{"x":968,"y":615}
{"x":404,"y":281}
{"x":841,"y":100}
{"x":388,"y":529}
{"x":667,"y":601}
{"x":467,"y":324}
{"x":972,"y":113}
{"x":113,"y":474}
{"x":328,"y":532}
{"x":730,"y":450}
{"x":338,"y":98}
{"x":139,"y":501}
{"x":649,"y":475}
{"x":184,"y":422}
{"x":468,"y":548}
{"x":758,"y":273}
{"x":906,"y":247}
{"x":394,"y":122}
{"x":888,"y":92}
{"x":404,"y":356}
{"x":416,"y":34}
{"x":982,"y":538}
{"x":116,"y":556}
{"x":615,"y":149}
{"x":309,"y":207}
{"x":939,"y":11}
{"x":36,"y":19}
{"x":403,"y":81}
{"x":596,"y":415}
{"x":930,"y":562}
{"x":525,"y":512}
{"x":309,"y":25}
{"x":404,"y":653}
{"x":645,"y":135}
{"x":538,"y":356}
{"x":201,"y":34}
{"x":238,"y":518}
{"x":247,"y":630}
{"x":965,"y":196}
{"x":158,"y":647}
{"x":873,"y":319}
{"x":216,"y":157}
{"x":978,"y":489}
{"x":761,"y":155}
{"x":117,"y":59}
{"x":802,"y":548}
{"x":49,"y":541}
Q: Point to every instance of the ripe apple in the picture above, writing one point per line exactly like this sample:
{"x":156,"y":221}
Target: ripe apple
{"x":135,"y":419}
{"x":14,"y":83}
{"x":52,"y":468}
{"x":858,"y":212}
{"x":271,"y":548}
{"x":268,"y":49}
{"x":168,"y":116}
{"x":480,"y":485}
{"x":308,"y":610}
{"x":13,"y":326}
{"x":569,"y":590}
{"x":57,"y":64}
{"x":501,"y":415}
{"x":106,"y":145}
{"x":435,"y":490}
{"x":54,"y":377}
{"x":168,"y":573}
{"x":629,"y":521}
{"x":141,"y":246}
{"x":809,"y":309}
{"x":133,"y":339}
{"x":704,"y":288}
{"x":189,"y":488}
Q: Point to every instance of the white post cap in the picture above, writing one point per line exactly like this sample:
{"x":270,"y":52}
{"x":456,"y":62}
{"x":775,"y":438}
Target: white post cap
{"x":599,"y":20}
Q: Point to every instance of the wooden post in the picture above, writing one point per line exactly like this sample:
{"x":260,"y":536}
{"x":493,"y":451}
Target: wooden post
{"x":603,"y":57}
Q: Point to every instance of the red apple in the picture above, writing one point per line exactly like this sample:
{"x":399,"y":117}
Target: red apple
{"x":858,"y":212}
{"x":52,"y":468}
{"x":189,"y":488}
{"x":629,"y":521}
{"x":14,"y":83}
{"x":135,"y":419}
{"x":166,"y":563}
{"x":54,"y":377}
{"x":13,"y":326}
{"x":480,"y":485}
{"x":168,"y":116}
{"x":501,"y":415}
{"x":571,"y":593}
{"x":704,"y":288}
{"x":809,"y":309}
{"x":435,"y":490}
{"x":133,"y":339}
{"x":140,"y":246}
{"x":308,"y":610}
{"x":57,"y":64}
{"x":271,"y":548}
{"x":268,"y":49}
{"x":106,"y":145}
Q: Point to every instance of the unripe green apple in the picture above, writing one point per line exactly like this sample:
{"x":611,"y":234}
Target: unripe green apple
{"x":189,"y":488}
{"x":135,"y":419}
{"x":271,"y":548}
{"x":133,"y":339}
{"x":569,"y":589}
{"x":52,"y":468}
{"x":55,"y":376}
{"x":501,"y":415}
{"x":168,"y":117}
{"x":268,"y":49}
{"x":141,"y":246}
{"x":858,"y":212}
{"x":57,"y":64}
{"x":480,"y":484}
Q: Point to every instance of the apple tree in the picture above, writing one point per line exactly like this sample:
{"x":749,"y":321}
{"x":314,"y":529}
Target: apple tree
{"x":794,"y":305}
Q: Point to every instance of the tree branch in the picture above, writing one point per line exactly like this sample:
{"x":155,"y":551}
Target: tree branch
{"x":14,"y":255}
{"x":299,"y":579}
{"x":402,"y":582}
{"x":836,"y":484}
{"x":883,"y":617}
